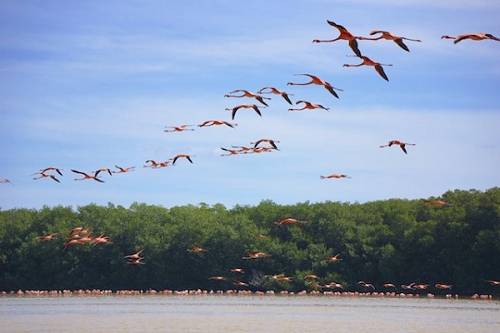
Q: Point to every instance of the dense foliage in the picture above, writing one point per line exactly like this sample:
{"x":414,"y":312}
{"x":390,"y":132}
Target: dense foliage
{"x":397,"y":241}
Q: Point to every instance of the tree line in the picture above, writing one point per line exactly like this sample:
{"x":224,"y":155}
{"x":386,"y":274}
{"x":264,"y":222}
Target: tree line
{"x":397,"y":241}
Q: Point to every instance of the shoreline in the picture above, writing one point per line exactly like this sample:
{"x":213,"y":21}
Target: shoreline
{"x":199,"y":292}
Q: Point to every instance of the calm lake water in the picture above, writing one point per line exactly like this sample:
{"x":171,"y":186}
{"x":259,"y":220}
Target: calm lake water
{"x":246,"y":314}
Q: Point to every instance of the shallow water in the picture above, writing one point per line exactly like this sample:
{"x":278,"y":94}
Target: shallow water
{"x":246,"y":314}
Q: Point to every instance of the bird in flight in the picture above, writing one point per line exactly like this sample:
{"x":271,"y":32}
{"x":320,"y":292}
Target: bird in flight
{"x":237,"y":270}
{"x":42,"y":174}
{"x":246,"y":93}
{"x":436,"y":203}
{"x":180,"y":128}
{"x":123,"y":170}
{"x":344,"y":35}
{"x":335,"y":258}
{"x":335,"y":176}
{"x":48,"y":237}
{"x":209,"y":123}
{"x":107,"y":170}
{"x":288,"y":221}
{"x":196,"y":249}
{"x":316,"y":80}
{"x":442,"y":286}
{"x":244,"y":106}
{"x":217,"y":278}
{"x":401,"y":144}
{"x":309,"y":106}
{"x":86,"y":176}
{"x":389,"y":36}
{"x":368,"y":62}
{"x":269,"y":141}
{"x":176,"y":157}
{"x":231,"y":152}
{"x":366,"y":285}
{"x":256,"y":255}
{"x":475,"y":36}
{"x":156,"y":165}
{"x":5,"y":181}
{"x":276,"y":91}
{"x":135,"y":255}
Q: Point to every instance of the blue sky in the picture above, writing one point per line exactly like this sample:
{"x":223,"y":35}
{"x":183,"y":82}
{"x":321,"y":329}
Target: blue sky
{"x":92,"y":84}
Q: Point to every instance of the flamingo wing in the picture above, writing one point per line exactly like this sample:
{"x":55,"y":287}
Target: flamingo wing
{"x":401,"y":44}
{"x":381,"y":72}
{"x":285,"y":96}
{"x":354,"y":46}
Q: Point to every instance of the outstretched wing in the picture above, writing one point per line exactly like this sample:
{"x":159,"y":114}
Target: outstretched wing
{"x":401,"y":44}
{"x":381,"y":72}
{"x":331,"y":90}
{"x":260,"y":99}
{"x":79,"y":172}
{"x":354,"y":46}
{"x":338,"y":26}
{"x":257,"y":110}
{"x":285,"y":96}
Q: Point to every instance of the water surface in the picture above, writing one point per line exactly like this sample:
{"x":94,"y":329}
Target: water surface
{"x":246,"y":314}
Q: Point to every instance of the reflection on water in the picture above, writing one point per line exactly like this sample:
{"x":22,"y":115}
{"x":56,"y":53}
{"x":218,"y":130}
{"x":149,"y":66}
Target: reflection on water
{"x":246,"y":314}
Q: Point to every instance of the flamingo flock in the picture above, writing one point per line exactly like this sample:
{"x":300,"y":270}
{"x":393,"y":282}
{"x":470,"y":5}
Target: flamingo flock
{"x":80,"y":236}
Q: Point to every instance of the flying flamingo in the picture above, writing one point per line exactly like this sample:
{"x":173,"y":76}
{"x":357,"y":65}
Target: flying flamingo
{"x":244,"y":106}
{"x":388,"y":36}
{"x":335,"y":258}
{"x":5,"y":181}
{"x":288,"y":221}
{"x":216,"y":123}
{"x":276,"y":91}
{"x":246,"y":93}
{"x":156,"y":165}
{"x":269,"y":141}
{"x":176,"y":157}
{"x":123,"y":170}
{"x":437,"y":203}
{"x":134,"y":256}
{"x":256,"y":255}
{"x":401,"y":144}
{"x":443,"y":286}
{"x":59,"y":171}
{"x":42,"y":174}
{"x":196,"y":249}
{"x":474,"y":36}
{"x":240,"y":284}
{"x":366,"y":285}
{"x":231,"y":152}
{"x":316,"y":80}
{"x":180,"y":128}
{"x":217,"y":278}
{"x":335,"y":176}
{"x":344,"y":35}
{"x":309,"y":106}
{"x":368,"y":62}
{"x":48,"y":237}
{"x":101,"y":240}
{"x":138,"y":261}
{"x":107,"y":170}
{"x":87,"y":176}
